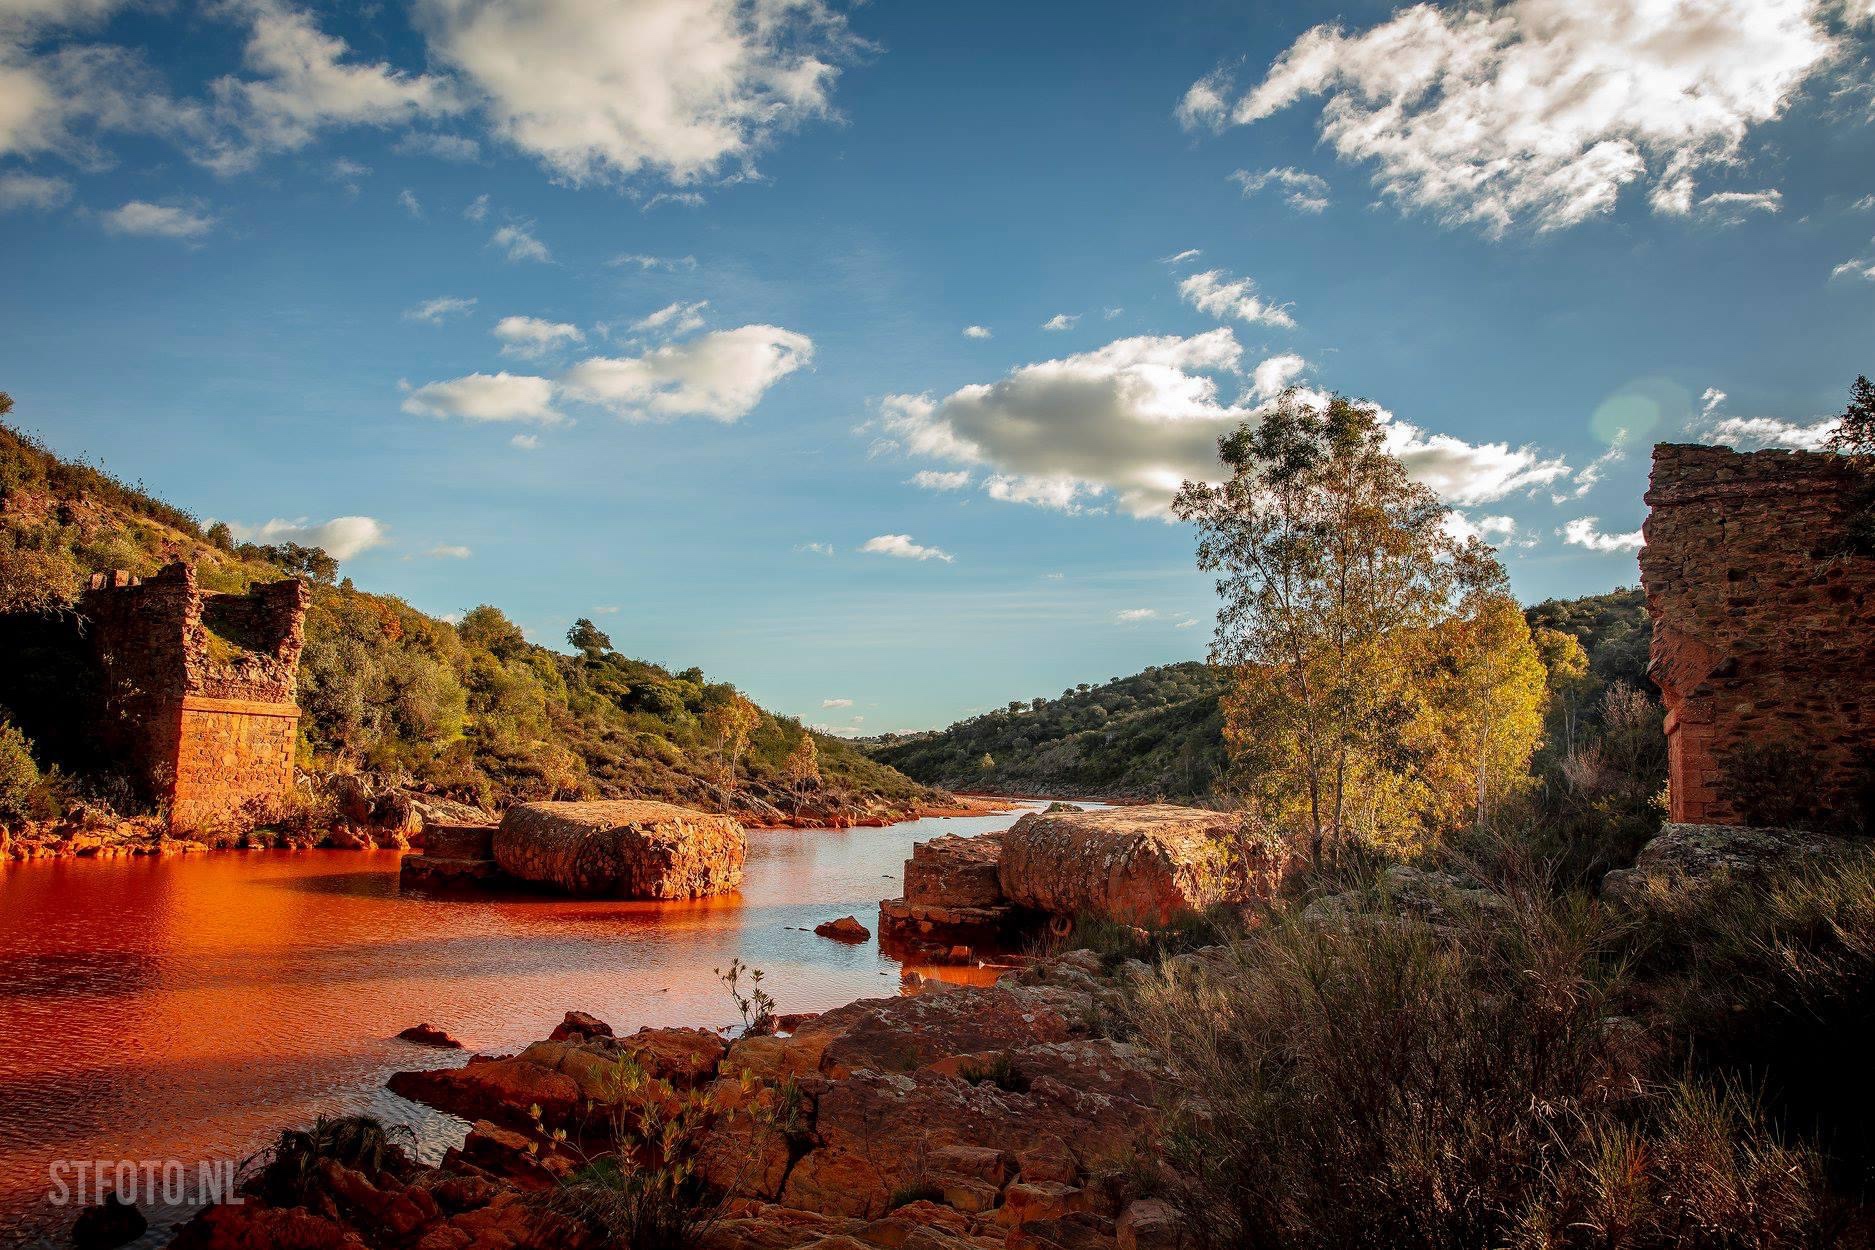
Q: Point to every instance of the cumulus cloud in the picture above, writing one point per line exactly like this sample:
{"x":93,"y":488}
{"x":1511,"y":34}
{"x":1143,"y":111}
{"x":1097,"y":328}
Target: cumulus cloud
{"x":1753,"y":432}
{"x":167,"y":221}
{"x":1538,"y":112}
{"x":976,"y":332}
{"x":832,"y":703}
{"x":1216,"y":294}
{"x":1138,"y":417}
{"x":1132,"y":616}
{"x":342,"y":537}
{"x":535,"y":336}
{"x":39,"y":192}
{"x":438,"y":310}
{"x":937,"y":479}
{"x":1305,"y":192}
{"x":1272,"y":376}
{"x":598,"y":90}
{"x":1495,"y":530}
{"x":721,"y":375}
{"x":1061,"y":321}
{"x":901,"y":547}
{"x":674,"y":318}
{"x":1581,"y":532}
{"x":519,"y":243}
{"x":484,"y":397}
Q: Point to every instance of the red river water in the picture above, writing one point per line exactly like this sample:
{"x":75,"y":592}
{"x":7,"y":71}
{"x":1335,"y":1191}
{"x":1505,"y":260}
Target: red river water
{"x":188,"y":1007}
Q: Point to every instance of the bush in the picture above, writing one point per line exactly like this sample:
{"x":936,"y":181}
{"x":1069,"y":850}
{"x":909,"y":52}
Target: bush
{"x":20,"y":781}
{"x":1392,"y":1084}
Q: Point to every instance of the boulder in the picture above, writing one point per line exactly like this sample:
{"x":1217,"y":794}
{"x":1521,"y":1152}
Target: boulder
{"x":427,"y":1034}
{"x":954,"y":871}
{"x":579,"y":1024}
{"x":1132,"y":865}
{"x":952,"y":900}
{"x":1686,"y":858}
{"x":845,"y":929}
{"x":627,"y":848}
{"x":109,"y":1224}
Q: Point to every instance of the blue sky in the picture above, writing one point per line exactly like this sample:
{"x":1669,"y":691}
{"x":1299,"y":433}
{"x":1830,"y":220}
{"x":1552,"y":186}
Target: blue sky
{"x":655,"y":311}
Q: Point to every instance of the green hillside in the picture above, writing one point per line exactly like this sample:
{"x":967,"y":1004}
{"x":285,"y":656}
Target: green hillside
{"x":470,"y":711}
{"x":1158,"y":734}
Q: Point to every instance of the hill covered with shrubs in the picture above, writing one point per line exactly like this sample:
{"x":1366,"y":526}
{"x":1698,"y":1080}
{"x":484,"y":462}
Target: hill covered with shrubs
{"x":471,"y":711}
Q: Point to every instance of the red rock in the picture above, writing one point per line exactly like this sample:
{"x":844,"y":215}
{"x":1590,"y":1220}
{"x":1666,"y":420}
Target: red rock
{"x":845,"y":929}
{"x":626,"y":848}
{"x":503,"y":1090}
{"x":579,"y":1024}
{"x":429,"y":1035}
{"x":1149,"y":1224}
{"x":1131,"y":865}
{"x":252,"y":1226}
{"x":684,"y":1057}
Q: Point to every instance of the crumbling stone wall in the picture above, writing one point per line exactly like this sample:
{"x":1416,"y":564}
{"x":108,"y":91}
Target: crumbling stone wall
{"x":199,"y":688}
{"x":1764,"y":628}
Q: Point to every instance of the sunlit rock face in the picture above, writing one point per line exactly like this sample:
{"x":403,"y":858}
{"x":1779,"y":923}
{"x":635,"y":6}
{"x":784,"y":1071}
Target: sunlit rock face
{"x":621,"y":849}
{"x":1141,"y":866}
{"x":1764,"y":618}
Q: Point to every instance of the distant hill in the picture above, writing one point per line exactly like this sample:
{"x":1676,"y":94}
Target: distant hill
{"x":469,"y":711}
{"x":1156,"y":734}
{"x":1159,"y":734}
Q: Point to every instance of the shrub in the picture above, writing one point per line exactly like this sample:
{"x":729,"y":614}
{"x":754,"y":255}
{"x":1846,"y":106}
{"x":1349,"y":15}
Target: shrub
{"x":20,"y":780}
{"x":1393,"y":1084}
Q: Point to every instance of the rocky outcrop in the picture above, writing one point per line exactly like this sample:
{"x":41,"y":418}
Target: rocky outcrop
{"x":953,"y":903}
{"x":1142,"y":866}
{"x":846,"y":929}
{"x":1763,"y":608}
{"x":1685,"y":859}
{"x":427,"y":1034}
{"x":621,"y":849}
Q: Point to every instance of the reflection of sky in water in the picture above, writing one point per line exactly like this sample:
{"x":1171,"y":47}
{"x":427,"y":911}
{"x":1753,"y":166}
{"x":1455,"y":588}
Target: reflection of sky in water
{"x":190,"y":1006}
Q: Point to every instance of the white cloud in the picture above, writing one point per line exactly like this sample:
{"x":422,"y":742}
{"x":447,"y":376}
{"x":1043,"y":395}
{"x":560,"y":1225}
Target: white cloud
{"x":39,"y":192}
{"x":534,"y":336}
{"x":819,"y":549}
{"x":1732,"y":207}
{"x":674,"y":318}
{"x":1187,"y":623}
{"x":448,"y":551}
{"x":342,"y":537}
{"x":1771,"y":432}
{"x":1581,"y":532}
{"x":936,"y":479}
{"x":1133,"y":616}
{"x":443,"y":147}
{"x":520,"y":244}
{"x":1061,"y":321}
{"x":483,"y":397}
{"x":976,"y":332}
{"x":599,"y":90}
{"x":1590,"y":475}
{"x":721,"y":375}
{"x":436,"y":311}
{"x":1272,"y":376}
{"x":408,"y":201}
{"x":525,"y":442}
{"x":1540,"y":111}
{"x":1181,"y":258}
{"x":1305,"y":192}
{"x":1752,"y":432}
{"x":1212,"y":293}
{"x":666,"y":263}
{"x":831,"y":703}
{"x":1137,"y":418}
{"x":1495,"y":530}
{"x":477,"y":209}
{"x":140,"y":217}
{"x":1857,"y":266}
{"x":1109,"y":314}
{"x":305,"y":80}
{"x":900,"y":546}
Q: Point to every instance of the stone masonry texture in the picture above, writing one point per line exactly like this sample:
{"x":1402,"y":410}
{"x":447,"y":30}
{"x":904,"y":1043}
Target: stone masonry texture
{"x":1763,"y":622}
{"x":199,"y":689}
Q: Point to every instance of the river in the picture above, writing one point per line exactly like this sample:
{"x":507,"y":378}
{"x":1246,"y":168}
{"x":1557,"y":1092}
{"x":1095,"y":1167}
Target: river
{"x":188,"y":1007}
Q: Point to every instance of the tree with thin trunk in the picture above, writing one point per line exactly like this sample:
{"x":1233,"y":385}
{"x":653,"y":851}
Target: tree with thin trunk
{"x":803,"y":766}
{"x":729,"y":722}
{"x":1341,"y":593}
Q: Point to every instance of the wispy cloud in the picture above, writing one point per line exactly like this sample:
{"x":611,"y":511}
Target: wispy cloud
{"x":520,"y":244}
{"x":167,"y":221}
{"x":901,"y":547}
